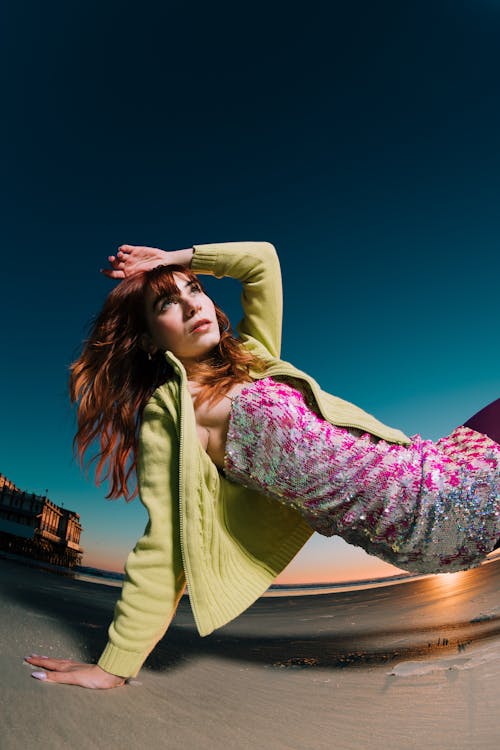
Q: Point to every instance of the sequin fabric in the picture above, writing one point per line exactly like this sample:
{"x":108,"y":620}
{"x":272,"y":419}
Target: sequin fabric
{"x":426,"y":507}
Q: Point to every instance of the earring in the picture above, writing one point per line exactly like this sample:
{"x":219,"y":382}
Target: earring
{"x":149,"y":357}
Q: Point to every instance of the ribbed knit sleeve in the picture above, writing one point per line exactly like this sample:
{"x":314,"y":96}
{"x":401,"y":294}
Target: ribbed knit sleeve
{"x":154,"y":573}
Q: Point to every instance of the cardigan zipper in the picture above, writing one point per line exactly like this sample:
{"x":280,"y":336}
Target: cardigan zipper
{"x":184,"y":554}
{"x":174,"y":363}
{"x":181,"y":472}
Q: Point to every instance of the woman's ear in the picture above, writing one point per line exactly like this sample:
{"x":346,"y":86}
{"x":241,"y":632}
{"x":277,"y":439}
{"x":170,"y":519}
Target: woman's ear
{"x":146,"y":344}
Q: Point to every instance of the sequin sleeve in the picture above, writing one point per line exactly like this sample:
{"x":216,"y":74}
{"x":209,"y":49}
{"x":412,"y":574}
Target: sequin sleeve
{"x":425,"y":507}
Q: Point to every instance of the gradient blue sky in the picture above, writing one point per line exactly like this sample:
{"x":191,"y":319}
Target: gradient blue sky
{"x":361,"y":138}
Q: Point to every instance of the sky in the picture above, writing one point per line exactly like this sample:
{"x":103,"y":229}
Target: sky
{"x":362,"y":139}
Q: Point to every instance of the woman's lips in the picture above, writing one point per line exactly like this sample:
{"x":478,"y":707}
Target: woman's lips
{"x":201,"y":325}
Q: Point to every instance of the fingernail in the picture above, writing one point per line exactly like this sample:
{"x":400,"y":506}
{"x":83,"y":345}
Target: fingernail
{"x":39,"y":656}
{"x":39,"y":675}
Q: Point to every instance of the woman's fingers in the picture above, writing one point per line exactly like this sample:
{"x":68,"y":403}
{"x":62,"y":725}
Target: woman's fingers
{"x":81,"y":677}
{"x":112,"y":274}
{"x":68,"y":672}
{"x":120,"y":266}
{"x":140,"y":251}
{"x":130,"y":259}
{"x":60,"y":665}
{"x":116,"y":271}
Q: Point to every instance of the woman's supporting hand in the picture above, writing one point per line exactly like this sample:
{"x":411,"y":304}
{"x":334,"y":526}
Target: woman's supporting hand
{"x":73,"y":673}
{"x":130,"y":259}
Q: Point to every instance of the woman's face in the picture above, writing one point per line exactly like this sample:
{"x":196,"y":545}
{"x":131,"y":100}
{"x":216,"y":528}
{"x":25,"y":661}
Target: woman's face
{"x":185,"y":324}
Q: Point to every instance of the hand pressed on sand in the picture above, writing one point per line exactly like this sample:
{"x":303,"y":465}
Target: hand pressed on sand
{"x":71,"y":672}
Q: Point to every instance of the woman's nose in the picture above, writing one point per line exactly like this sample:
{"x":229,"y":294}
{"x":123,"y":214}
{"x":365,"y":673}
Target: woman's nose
{"x":191,"y":307}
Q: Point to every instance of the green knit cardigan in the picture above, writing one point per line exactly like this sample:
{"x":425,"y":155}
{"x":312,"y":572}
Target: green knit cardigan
{"x":226,"y":542}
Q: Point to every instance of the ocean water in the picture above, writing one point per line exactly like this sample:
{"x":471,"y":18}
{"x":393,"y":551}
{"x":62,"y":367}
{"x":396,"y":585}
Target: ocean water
{"x":97,"y":575}
{"x":113,"y":578}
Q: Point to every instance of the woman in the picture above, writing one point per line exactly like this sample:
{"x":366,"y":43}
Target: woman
{"x":240,"y":456}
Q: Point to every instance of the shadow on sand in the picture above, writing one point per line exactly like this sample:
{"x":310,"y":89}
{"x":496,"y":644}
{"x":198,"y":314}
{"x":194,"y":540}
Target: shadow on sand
{"x":84,"y":610}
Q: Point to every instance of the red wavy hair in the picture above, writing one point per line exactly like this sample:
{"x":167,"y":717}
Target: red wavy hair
{"x":113,"y":379}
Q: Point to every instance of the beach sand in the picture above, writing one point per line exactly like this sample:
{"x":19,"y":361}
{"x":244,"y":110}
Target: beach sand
{"x":413,"y":665}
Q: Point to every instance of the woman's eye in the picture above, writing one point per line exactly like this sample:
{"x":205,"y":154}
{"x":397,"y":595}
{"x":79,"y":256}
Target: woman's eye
{"x":166,"y":303}
{"x":195,"y":288}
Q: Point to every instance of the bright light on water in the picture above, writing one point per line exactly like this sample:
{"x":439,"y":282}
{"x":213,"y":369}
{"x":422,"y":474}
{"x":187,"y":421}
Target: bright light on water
{"x":449,"y":580}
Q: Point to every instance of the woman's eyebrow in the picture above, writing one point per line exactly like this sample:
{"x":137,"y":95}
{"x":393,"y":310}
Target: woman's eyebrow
{"x":168,"y":295}
{"x":161,"y":297}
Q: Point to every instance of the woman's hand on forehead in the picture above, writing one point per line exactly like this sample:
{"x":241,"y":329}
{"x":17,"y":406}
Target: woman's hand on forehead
{"x":131,"y":259}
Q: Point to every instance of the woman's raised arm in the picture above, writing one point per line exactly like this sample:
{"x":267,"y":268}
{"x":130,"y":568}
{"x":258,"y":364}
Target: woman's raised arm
{"x":256,"y":265}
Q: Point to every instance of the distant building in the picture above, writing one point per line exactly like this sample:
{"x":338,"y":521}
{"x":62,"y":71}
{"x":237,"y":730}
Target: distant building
{"x":34,"y":526}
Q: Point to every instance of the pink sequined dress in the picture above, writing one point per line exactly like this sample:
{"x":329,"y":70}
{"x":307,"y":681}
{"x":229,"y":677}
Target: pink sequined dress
{"x":426,"y":507}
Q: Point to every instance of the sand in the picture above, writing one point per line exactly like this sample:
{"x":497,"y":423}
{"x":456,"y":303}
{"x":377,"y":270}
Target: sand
{"x":416,"y":665}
